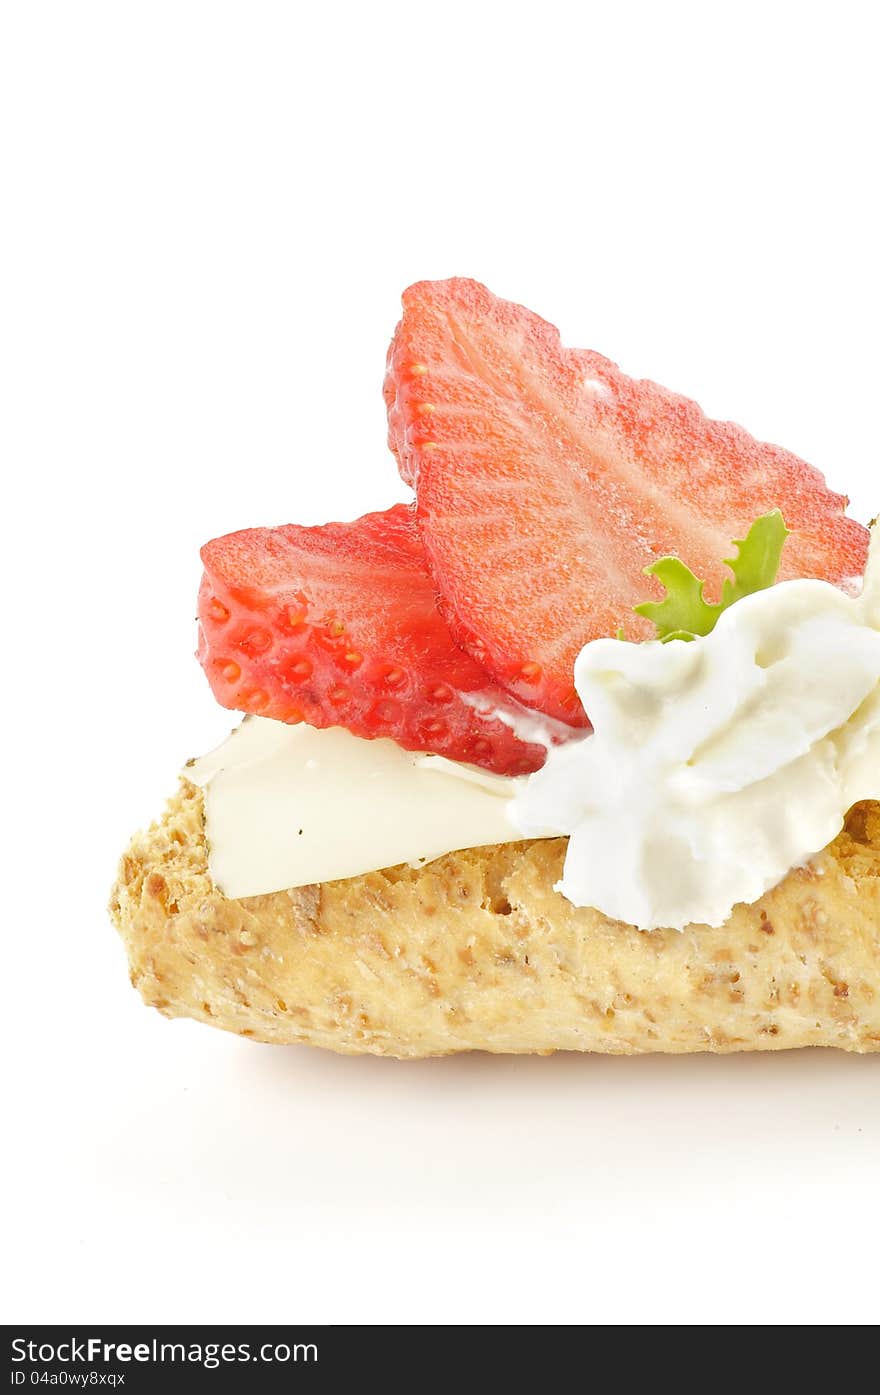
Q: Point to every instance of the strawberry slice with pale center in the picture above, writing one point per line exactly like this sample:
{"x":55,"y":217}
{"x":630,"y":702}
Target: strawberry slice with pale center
{"x":547,"y":480}
{"x":338,"y":626}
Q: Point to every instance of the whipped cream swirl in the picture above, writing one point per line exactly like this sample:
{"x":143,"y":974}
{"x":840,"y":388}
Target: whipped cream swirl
{"x":717,"y":765}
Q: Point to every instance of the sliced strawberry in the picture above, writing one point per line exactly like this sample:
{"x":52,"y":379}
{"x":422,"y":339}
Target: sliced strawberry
{"x":338,"y":626}
{"x":547,"y":480}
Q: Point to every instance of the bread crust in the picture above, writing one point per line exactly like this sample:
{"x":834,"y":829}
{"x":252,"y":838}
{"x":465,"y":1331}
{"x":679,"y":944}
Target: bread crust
{"x":477,"y":952}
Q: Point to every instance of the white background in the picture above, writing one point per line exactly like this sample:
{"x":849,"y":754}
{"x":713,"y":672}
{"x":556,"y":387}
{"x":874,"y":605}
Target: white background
{"x":209,"y":213}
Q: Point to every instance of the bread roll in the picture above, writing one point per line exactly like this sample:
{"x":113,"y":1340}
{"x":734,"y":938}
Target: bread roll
{"x":476,"y":952}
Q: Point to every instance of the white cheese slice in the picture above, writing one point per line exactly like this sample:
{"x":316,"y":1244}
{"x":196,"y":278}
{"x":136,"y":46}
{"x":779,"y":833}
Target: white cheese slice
{"x":286,"y":806}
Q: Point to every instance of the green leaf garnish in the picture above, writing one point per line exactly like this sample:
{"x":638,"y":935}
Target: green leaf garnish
{"x":684,"y":613}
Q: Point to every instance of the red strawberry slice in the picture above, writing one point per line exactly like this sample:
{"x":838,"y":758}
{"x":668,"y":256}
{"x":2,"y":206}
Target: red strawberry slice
{"x":338,"y":626}
{"x":547,"y":481}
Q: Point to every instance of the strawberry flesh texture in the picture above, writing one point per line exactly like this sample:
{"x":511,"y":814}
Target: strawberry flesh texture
{"x":547,"y":480}
{"x":338,"y":626}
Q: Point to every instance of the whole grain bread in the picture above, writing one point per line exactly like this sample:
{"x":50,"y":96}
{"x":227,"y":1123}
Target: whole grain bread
{"x":477,"y":952}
